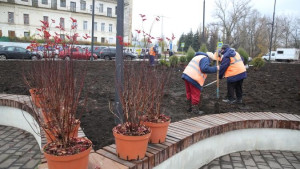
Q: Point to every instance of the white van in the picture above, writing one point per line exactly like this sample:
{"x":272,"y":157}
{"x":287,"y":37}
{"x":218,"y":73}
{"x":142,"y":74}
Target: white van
{"x":287,"y":54}
{"x":266,"y":57}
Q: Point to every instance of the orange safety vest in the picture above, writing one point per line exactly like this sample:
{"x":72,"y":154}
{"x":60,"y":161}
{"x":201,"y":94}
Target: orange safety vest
{"x":193,"y":70}
{"x":152,"y":52}
{"x":236,"y":66}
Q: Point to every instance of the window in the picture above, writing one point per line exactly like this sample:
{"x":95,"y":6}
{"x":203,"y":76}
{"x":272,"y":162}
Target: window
{"x":11,"y":17}
{"x":26,"y":34}
{"x":85,"y":25}
{"x":110,"y":28}
{"x":62,"y":22}
{"x":26,"y":19}
{"x":62,"y":3}
{"x":24,"y":0}
{"x":111,"y":40}
{"x":95,"y":26}
{"x":109,"y":11}
{"x":62,"y":36}
{"x":18,"y":49}
{"x":280,"y":52}
{"x":116,"y":10}
{"x":45,"y":2}
{"x":102,"y":40}
{"x":95,"y":39}
{"x":102,"y":27}
{"x":91,"y":8}
{"x":73,"y":6}
{"x":10,"y":48}
{"x":45,"y":18}
{"x":83,"y":5}
{"x":101,"y":8}
{"x":11,"y":34}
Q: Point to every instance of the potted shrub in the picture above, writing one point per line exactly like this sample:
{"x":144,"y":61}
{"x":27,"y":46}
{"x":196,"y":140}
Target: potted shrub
{"x":60,"y":89}
{"x":157,"y":79}
{"x":61,"y":92}
{"x":131,"y":136}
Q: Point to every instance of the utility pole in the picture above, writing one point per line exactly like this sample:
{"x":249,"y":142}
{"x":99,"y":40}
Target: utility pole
{"x":119,"y":62}
{"x":270,"y":49}
{"x":203,"y":21}
{"x":93,"y":19}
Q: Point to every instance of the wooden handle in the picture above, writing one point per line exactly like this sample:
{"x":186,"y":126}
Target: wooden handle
{"x":217,"y":78}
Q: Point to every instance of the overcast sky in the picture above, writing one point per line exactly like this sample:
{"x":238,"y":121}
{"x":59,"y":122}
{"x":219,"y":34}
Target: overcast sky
{"x":184,"y":15}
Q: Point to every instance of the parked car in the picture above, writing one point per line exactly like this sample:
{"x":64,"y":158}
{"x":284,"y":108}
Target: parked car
{"x":110,"y":53}
{"x":76,"y":53}
{"x":97,"y":50}
{"x":47,"y":53}
{"x":14,"y":52}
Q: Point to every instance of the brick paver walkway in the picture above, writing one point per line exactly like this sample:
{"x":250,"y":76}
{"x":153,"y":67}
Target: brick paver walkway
{"x":257,"y":160}
{"x":18,"y":149}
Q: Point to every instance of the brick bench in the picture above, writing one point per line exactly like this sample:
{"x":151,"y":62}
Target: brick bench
{"x":186,"y":134}
{"x":204,"y":138}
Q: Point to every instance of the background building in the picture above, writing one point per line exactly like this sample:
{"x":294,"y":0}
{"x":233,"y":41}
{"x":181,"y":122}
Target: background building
{"x":21,"y":18}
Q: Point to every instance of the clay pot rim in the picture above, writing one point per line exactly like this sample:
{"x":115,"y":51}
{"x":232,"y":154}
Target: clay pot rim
{"x":68,"y":157}
{"x":132,"y":138}
{"x":159,"y":124}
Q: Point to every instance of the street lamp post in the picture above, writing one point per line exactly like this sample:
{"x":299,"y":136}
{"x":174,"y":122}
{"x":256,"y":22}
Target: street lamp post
{"x":203,"y":21}
{"x":270,"y":49}
{"x":93,"y":18}
{"x":119,"y":61}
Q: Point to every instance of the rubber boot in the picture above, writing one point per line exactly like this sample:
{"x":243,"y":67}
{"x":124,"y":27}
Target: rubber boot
{"x":188,"y":105}
{"x":196,"y":110}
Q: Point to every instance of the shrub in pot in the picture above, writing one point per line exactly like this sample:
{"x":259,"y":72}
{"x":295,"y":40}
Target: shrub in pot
{"x":131,"y":136}
{"x":157,"y":79}
{"x":61,"y":93}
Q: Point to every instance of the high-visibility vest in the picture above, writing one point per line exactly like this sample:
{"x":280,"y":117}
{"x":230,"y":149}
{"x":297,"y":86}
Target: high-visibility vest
{"x":236,"y":66}
{"x":152,"y":52}
{"x":193,"y":70}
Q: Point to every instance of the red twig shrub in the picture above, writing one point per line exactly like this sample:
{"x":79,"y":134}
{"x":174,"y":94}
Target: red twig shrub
{"x":141,"y":97}
{"x":59,"y":89}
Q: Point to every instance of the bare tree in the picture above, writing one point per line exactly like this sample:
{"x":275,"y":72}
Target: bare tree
{"x":230,"y":13}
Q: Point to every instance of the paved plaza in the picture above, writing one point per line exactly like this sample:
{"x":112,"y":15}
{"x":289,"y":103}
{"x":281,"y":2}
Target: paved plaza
{"x":257,"y":160}
{"x":18,"y":149}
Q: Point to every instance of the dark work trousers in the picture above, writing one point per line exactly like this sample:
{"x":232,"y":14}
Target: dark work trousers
{"x":235,"y":87}
{"x":151,"y":60}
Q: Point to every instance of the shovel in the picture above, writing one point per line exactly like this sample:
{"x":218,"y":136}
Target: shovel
{"x":210,"y":83}
{"x":217,"y":104}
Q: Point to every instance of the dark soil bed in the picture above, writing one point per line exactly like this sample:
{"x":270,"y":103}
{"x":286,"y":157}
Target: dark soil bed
{"x":274,"y":88}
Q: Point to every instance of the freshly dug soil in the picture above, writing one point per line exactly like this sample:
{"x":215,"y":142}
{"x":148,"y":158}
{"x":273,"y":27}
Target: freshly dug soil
{"x":273,"y":88}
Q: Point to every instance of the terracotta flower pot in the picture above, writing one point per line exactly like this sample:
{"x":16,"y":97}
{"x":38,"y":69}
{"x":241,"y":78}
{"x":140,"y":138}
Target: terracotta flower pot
{"x":36,"y":98}
{"x":77,"y":161}
{"x":131,"y":147}
{"x":159,"y":131}
{"x":50,"y":137}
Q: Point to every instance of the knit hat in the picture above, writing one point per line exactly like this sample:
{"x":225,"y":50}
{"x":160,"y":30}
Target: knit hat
{"x":225,"y":46}
{"x":211,"y":55}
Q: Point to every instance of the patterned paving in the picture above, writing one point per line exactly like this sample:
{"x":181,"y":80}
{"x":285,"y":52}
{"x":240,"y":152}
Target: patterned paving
{"x":18,"y":149}
{"x":257,"y":160}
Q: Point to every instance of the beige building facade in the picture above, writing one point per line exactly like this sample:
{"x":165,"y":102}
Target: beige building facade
{"x":21,"y":18}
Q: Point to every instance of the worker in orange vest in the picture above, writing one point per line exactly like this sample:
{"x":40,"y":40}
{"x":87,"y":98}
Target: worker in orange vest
{"x":232,"y":68}
{"x":152,"y":54}
{"x":194,"y":76}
